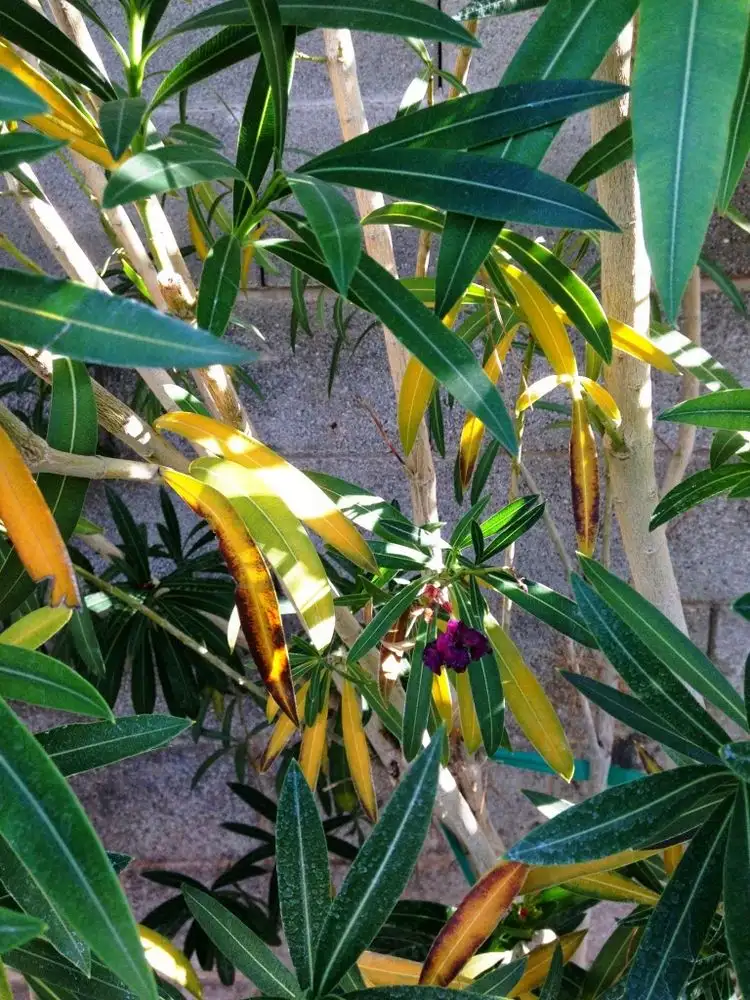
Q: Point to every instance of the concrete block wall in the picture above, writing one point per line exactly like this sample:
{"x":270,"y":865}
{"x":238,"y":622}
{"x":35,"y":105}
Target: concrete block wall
{"x":145,"y":807}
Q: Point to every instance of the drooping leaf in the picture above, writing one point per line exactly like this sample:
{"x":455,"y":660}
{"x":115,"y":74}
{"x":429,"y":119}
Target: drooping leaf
{"x":17,"y":100}
{"x":357,"y":751}
{"x":738,"y":146}
{"x":335,"y":224}
{"x":46,"y":827}
{"x":610,"y":151}
{"x":241,"y":945}
{"x":220,"y":285}
{"x":736,"y":902}
{"x":685,"y":83}
{"x":673,"y":936}
{"x":418,"y":692}
{"x":584,"y":477}
{"x":84,"y":638}
{"x":84,"y":746}
{"x":35,"y":628}
{"x":88,"y":325}
{"x":120,"y":121}
{"x":619,"y":818}
{"x":380,"y":872}
{"x":166,"y":168}
{"x":29,"y":676}
{"x":314,"y":734}
{"x":484,"y":674}
{"x":478,"y":914}
{"x":25,"y":147}
{"x":302,"y":867}
{"x":257,"y":603}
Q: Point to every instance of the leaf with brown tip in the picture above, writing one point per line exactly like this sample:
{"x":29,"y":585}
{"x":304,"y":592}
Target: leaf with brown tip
{"x":584,"y":478}
{"x":475,"y":919}
{"x":257,"y":604}
{"x":32,"y":529}
{"x":282,"y":731}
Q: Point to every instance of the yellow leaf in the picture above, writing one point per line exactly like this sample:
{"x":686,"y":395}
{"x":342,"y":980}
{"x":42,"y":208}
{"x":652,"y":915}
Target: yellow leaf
{"x":468,"y":714}
{"x":255,"y":595}
{"x":537,"y":389}
{"x":477,"y":916}
{"x":169,"y":961}
{"x":543,"y":877}
{"x":413,"y":399}
{"x":196,"y":235}
{"x":529,"y":704}
{"x":357,"y":753}
{"x":627,"y":340}
{"x":32,"y":529}
{"x":272,"y":709}
{"x":672,"y":857}
{"x":59,"y":105}
{"x":544,"y":321}
{"x":602,"y":399}
{"x":305,"y":500}
{"x":441,"y":696}
{"x":283,"y":731}
{"x":313,"y":745}
{"x":613,"y":887}
{"x":584,"y":478}
{"x":540,"y":959}
{"x":473,"y":429}
{"x":35,"y":628}
{"x":385,"y":970}
{"x":282,"y":540}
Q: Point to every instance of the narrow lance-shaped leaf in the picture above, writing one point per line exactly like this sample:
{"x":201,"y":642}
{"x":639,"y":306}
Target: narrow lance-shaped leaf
{"x":220,"y":285}
{"x":17,"y":100}
{"x":380,"y":872}
{"x":357,"y":751}
{"x":25,"y":147}
{"x":472,"y":432}
{"x":169,"y":962}
{"x":609,"y":152}
{"x":314,"y":736}
{"x":335,"y":224}
{"x":266,"y":16}
{"x":35,"y":628}
{"x":283,"y":731}
{"x":30,"y":676}
{"x":584,"y":477}
{"x":736,"y":900}
{"x":686,"y":79}
{"x":302,"y":868}
{"x":476,"y":918}
{"x":484,"y":674}
{"x":167,"y":168}
{"x":389,"y":613}
{"x":418,"y":692}
{"x":17,"y":928}
{"x":738,"y":146}
{"x":44,"y":824}
{"x":727,"y":409}
{"x":120,"y":121}
{"x":471,"y":732}
{"x":257,"y":603}
{"x":698,"y":488}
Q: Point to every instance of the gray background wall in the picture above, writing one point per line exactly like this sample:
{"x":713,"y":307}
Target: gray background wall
{"x":145,"y":807}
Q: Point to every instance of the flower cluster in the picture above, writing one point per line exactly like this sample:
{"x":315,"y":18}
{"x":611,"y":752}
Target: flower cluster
{"x":456,"y":648}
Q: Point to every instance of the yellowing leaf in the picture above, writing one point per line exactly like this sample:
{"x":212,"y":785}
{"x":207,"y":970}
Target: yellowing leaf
{"x":305,"y":500}
{"x":357,"y":753}
{"x":468,"y":714}
{"x":627,"y":340}
{"x":537,"y":390}
{"x":672,"y":857}
{"x":413,"y":399}
{"x":169,"y":961}
{"x":32,"y":529}
{"x":613,"y":887}
{"x":385,"y":970}
{"x":602,"y":399}
{"x":283,"y":731}
{"x":584,"y":478}
{"x":547,"y":875}
{"x":529,"y":704}
{"x":257,"y":603}
{"x":272,"y":709}
{"x":313,"y":746}
{"x":281,"y":538}
{"x":475,"y":919}
{"x":544,"y":321}
{"x":35,"y":628}
{"x":539,"y":961}
{"x":196,"y":235}
{"x":441,"y":696}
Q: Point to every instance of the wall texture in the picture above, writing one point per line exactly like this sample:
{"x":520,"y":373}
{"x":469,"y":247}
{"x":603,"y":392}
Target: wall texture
{"x":145,"y":807}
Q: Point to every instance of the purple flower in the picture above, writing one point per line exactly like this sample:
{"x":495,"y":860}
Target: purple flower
{"x":473,"y":640}
{"x":456,"y":647}
{"x":432,"y":658}
{"x":458,"y":658}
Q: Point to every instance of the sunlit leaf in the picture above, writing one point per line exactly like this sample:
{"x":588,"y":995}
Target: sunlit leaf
{"x":584,"y":477}
{"x":169,"y":961}
{"x":166,"y":168}
{"x":357,"y":751}
{"x":35,"y":628}
{"x":120,"y":121}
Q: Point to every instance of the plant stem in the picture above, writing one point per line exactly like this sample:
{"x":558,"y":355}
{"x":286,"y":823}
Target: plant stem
{"x":691,"y":327}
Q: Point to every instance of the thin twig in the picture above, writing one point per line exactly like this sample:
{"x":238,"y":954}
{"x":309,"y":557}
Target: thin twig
{"x":549,"y":522}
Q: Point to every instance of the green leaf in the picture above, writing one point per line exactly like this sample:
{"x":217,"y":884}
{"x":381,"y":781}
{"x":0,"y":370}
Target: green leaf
{"x":493,"y":8}
{"x":29,"y":676}
{"x":637,"y":716}
{"x":380,"y":872}
{"x":543,"y":603}
{"x":728,"y":409}
{"x":697,"y":488}
{"x":508,"y":526}
{"x":25,"y":147}
{"x":724,"y":282}
{"x":406,"y":213}
{"x":481,"y":118}
{"x":334,"y":223}
{"x":17,"y":100}
{"x":673,"y":937}
{"x":737,"y":758}
{"x":418,"y":695}
{"x":167,"y":168}
{"x":85,"y":641}
{"x":46,"y":970}
{"x":738,"y":146}
{"x":302,"y":871}
{"x":266,"y":16}
{"x":404,"y":993}
{"x":468,"y":183}
{"x":82,"y":747}
{"x":405,"y":18}
{"x":553,"y":982}
{"x":614,"y":148}
{"x":650,"y":681}
{"x":611,"y":962}
{"x":22,"y":25}
{"x":736,"y":897}
{"x":484,"y":674}
{"x":46,"y":827}
{"x":87,"y":325}
{"x":685,"y":83}
{"x":618,"y":818}
{"x":120,"y":121}
{"x":192,"y":135}
{"x":230,"y":46}
{"x":220,"y":285}
{"x":240,"y":945}
{"x":17,"y":928}
{"x":665,"y":641}
{"x":463,"y":250}
{"x":500,"y":980}
{"x":725,"y":445}
{"x":564,"y":287}
{"x":421,"y":332}
{"x":696,"y":360}
{"x":390,"y":612}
